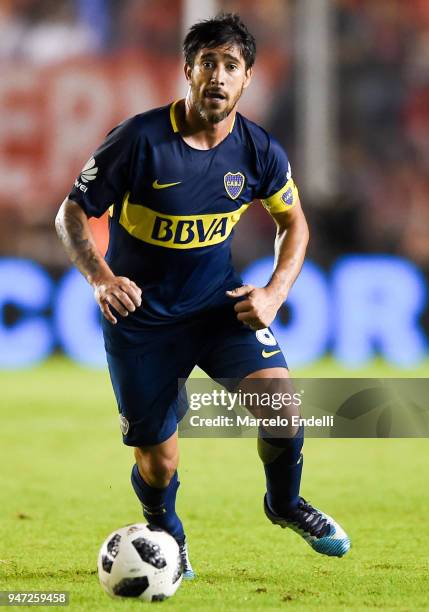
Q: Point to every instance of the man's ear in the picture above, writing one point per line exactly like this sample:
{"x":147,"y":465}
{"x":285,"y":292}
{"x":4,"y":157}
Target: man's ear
{"x":187,"y":69}
{"x":247,"y":77}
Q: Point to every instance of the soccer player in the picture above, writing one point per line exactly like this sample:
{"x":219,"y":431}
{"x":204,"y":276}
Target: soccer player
{"x":176,"y":181}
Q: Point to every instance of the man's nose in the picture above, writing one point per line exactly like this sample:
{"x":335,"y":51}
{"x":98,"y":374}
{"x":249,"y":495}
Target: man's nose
{"x":218,"y":76}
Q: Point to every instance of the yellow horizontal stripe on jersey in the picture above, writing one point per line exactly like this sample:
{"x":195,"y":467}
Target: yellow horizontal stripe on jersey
{"x":177,"y":231}
{"x":283,"y":200}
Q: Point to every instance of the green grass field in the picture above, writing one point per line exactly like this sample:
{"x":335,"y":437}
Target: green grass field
{"x":65,"y":486}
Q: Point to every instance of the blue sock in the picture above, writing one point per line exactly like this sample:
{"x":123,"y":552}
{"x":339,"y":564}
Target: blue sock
{"x":159,"y":505}
{"x":283,"y":463}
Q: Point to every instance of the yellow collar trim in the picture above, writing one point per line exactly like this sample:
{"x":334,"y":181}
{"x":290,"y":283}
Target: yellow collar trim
{"x":173,"y":117}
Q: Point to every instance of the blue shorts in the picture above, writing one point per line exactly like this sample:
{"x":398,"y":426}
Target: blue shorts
{"x":145,"y":377}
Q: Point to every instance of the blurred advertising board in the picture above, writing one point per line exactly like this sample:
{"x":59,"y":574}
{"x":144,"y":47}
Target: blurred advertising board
{"x":363,"y":306}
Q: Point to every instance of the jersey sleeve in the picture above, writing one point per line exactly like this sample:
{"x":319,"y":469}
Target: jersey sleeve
{"x":278,"y":191}
{"x":104,"y":179}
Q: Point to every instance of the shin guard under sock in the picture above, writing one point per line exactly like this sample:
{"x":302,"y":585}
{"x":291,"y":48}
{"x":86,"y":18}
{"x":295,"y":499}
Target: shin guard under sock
{"x":159,"y":505}
{"x":283,"y":464}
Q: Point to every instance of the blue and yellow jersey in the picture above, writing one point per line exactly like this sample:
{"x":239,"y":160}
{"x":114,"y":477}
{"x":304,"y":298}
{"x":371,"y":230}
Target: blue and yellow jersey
{"x":173,"y":208}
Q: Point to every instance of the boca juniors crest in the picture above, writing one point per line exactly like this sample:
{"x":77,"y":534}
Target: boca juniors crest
{"x":234,"y":183}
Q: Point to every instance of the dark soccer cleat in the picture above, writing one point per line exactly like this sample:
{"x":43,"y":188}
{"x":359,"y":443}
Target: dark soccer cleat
{"x":319,"y":530}
{"x":188,"y":572}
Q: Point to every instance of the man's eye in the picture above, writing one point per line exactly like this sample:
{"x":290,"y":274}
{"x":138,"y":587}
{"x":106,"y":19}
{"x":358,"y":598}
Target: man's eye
{"x":233,"y":66}
{"x":208,"y":64}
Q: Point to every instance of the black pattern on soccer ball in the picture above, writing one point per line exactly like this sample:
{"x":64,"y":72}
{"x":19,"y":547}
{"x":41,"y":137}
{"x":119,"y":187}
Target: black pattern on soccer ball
{"x":158,"y":597}
{"x":106,"y":563}
{"x":131,"y":587}
{"x":113,"y":545}
{"x":149,"y":552}
{"x":179,"y":570}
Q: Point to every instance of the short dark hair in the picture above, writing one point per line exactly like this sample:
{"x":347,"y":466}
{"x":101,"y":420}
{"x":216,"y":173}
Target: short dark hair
{"x":225,"y":28}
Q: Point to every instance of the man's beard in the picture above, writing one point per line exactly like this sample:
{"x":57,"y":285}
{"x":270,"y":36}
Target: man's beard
{"x":211,"y":116}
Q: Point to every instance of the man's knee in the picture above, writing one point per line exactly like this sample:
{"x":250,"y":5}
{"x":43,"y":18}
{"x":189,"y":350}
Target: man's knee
{"x":275,"y":384}
{"x":156,"y":466}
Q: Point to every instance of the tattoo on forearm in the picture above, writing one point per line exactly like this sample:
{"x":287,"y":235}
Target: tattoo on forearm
{"x":78,"y":244}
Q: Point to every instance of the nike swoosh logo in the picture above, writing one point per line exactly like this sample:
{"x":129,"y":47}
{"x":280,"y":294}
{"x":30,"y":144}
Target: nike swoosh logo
{"x":270,"y":353}
{"x":157,"y":185}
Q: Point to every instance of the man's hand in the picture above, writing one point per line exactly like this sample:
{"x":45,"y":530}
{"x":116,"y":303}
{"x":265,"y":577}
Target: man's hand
{"x":120,"y":292}
{"x":259,"y":307}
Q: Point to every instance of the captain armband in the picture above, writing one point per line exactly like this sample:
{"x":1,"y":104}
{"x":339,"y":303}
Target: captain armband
{"x":283,"y":200}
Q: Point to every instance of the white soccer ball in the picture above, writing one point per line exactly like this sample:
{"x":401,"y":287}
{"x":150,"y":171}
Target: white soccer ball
{"x":140,"y":561}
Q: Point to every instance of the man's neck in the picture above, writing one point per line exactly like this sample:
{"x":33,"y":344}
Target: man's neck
{"x":197,"y":132}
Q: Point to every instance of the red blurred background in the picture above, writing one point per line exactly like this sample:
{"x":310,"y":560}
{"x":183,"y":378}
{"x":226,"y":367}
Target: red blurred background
{"x":71,"y":70}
